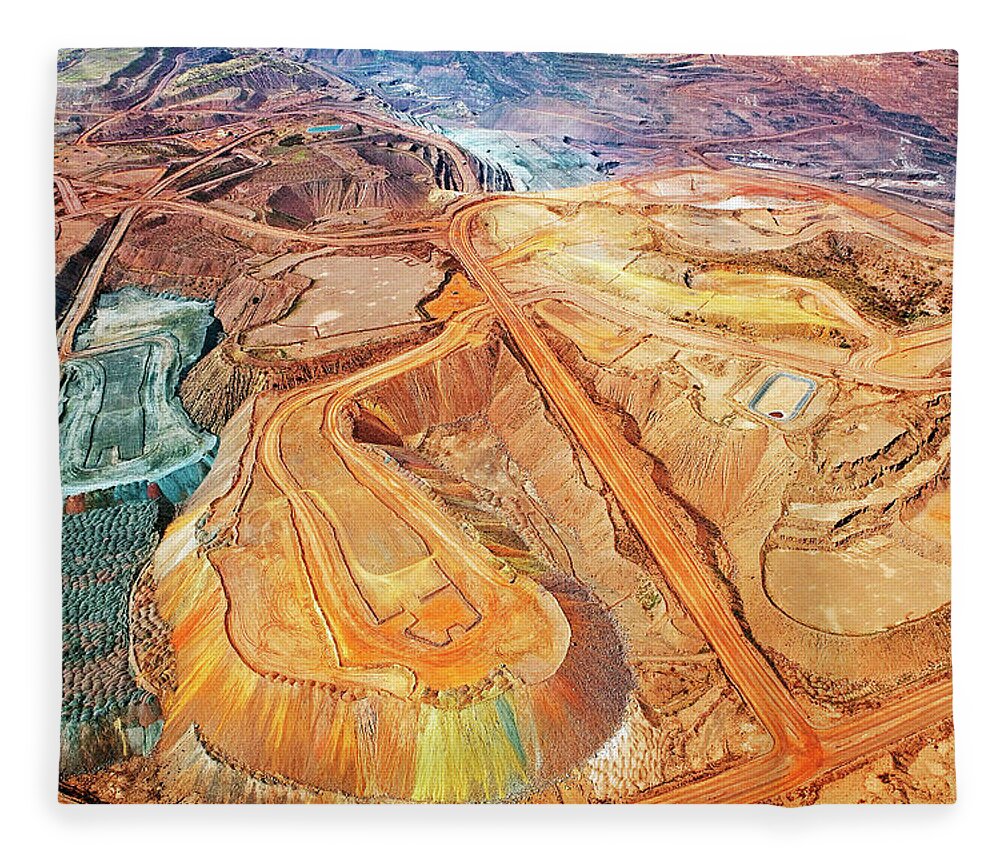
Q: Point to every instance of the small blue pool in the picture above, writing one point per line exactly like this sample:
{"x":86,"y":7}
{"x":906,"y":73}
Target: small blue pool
{"x":319,"y":129}
{"x":783,"y":396}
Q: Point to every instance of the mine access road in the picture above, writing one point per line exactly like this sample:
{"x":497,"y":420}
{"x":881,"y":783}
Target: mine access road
{"x":800,"y":751}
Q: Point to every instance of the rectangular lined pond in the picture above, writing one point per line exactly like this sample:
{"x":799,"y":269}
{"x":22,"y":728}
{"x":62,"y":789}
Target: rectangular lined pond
{"x":782,"y":396}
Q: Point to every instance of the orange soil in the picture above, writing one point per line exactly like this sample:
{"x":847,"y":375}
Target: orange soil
{"x":457,"y":296}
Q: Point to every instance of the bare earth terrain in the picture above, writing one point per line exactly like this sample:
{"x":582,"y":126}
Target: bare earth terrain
{"x":476,"y":427}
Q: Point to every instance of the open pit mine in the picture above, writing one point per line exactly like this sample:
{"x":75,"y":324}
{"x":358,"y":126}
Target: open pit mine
{"x":469,"y":427}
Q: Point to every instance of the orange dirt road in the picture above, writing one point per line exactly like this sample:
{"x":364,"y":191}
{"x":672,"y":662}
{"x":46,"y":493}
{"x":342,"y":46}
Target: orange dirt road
{"x":800,"y":751}
{"x":91,"y":281}
{"x":418,"y":606}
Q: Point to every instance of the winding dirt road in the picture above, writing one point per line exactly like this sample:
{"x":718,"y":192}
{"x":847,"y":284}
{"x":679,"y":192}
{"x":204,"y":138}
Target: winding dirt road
{"x":445,"y":618}
{"x":87,"y":290}
{"x":84,"y":138}
{"x":800,"y":751}
{"x":88,"y":287}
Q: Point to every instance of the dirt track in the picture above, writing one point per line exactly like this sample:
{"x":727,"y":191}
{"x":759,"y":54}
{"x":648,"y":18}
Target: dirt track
{"x":800,"y":751}
{"x":377,"y":622}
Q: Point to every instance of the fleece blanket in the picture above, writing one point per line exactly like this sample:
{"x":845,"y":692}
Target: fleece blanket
{"x":480,"y":427}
